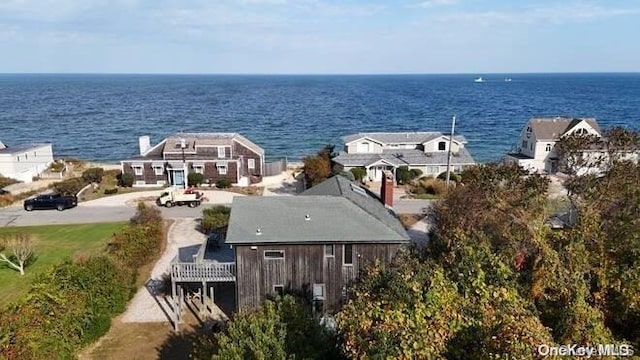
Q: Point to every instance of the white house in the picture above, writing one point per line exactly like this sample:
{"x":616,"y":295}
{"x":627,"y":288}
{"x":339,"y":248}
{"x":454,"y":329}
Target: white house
{"x":25,"y":161}
{"x":426,"y":151}
{"x":536,"y":148}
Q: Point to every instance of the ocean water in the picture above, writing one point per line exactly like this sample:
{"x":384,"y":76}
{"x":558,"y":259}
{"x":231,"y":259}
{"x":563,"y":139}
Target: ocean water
{"x":100,"y":117}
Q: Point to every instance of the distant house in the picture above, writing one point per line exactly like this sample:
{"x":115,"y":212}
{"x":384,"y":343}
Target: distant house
{"x":316,"y":242}
{"x":217,"y":156}
{"x":25,"y":161}
{"x":426,"y":151}
{"x":536,"y":149}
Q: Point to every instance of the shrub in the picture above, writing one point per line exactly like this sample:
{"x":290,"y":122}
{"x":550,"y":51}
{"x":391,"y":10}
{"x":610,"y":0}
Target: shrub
{"x":223,"y":183}
{"x":215,"y":218}
{"x":4,"y":181}
{"x":195,"y":179}
{"x":93,"y":175}
{"x":56,"y":166}
{"x":402,"y":175}
{"x":114,"y":174}
{"x":69,"y":187}
{"x":125,"y":180}
{"x":359,"y":173}
{"x":452,"y":176}
{"x":415,"y":173}
{"x":110,"y":191}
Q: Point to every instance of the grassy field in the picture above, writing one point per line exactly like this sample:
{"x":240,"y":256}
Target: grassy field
{"x":52,"y":244}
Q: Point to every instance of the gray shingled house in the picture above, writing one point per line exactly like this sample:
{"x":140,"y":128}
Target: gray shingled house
{"x":386,"y":151}
{"x":315,"y":242}
{"x":216,"y":156}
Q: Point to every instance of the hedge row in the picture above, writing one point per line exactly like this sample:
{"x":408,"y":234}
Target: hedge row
{"x":73,"y":303}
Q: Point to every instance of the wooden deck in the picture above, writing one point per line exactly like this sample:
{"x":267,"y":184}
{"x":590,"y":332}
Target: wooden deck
{"x":203,"y":272}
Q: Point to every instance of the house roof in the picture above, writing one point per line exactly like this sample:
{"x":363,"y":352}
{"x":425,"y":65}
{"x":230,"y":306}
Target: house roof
{"x":553,"y":128}
{"x":402,"y":157}
{"x":399,"y":137}
{"x":22,"y":148}
{"x":337,"y":213}
{"x":192,"y":140}
{"x":2,"y":145}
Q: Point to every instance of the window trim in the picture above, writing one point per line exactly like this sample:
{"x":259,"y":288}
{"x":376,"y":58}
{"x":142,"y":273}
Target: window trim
{"x":548,"y":147}
{"x":222,"y":152}
{"x":264,"y":254}
{"x":319,"y":286}
{"x":138,"y":170}
{"x":222,"y":166}
{"x":280,"y":291}
{"x":251,"y":164}
{"x":333,"y":250}
{"x":344,"y":253}
{"x":158,"y":170}
{"x":444,"y":146}
{"x":198,"y":169}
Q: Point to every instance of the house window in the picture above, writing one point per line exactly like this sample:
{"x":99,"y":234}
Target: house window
{"x":581,"y":131}
{"x":278,"y":289}
{"x":273,"y":254}
{"x":329,"y":251}
{"x":525,"y":144}
{"x":137,"y":170}
{"x":318,"y":292}
{"x":347,"y":252}
{"x":548,"y":147}
{"x":221,"y":152}
{"x":222,"y":169}
{"x":158,"y":170}
{"x":198,"y":169}
{"x":251,"y":164}
{"x":363,"y":147}
{"x":442,"y":146}
{"x":531,"y":147}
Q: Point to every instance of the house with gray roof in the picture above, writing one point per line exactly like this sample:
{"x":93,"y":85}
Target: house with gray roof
{"x":23,"y":162}
{"x":536,"y":147}
{"x":216,"y":156}
{"x":315,"y":242}
{"x":387,"y":151}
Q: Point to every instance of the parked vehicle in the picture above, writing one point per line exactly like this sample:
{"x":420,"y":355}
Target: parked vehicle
{"x":3,"y":192}
{"x":170,"y":197}
{"x":51,"y":201}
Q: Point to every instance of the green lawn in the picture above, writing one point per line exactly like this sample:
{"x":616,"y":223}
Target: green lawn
{"x":52,"y":244}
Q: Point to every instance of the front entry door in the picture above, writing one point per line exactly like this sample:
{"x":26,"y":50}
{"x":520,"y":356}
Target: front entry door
{"x":178,"y":178}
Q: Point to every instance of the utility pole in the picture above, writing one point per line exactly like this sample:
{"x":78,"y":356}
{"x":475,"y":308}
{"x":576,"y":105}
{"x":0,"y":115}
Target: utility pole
{"x":453,"y":127}
{"x":183,"y":144}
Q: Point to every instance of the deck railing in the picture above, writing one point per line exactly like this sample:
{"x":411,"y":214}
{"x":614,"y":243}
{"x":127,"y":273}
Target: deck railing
{"x":222,"y":272}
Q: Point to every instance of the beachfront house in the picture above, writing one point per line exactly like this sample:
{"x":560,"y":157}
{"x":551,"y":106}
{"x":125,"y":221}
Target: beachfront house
{"x":536,"y":147}
{"x":216,"y":156}
{"x":23,"y":162}
{"x":315,"y":243}
{"x":387,"y":151}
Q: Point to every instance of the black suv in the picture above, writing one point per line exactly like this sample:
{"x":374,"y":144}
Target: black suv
{"x":51,"y":201}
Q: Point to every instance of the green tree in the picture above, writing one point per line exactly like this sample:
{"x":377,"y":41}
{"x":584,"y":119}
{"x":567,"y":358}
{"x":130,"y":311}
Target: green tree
{"x":93,"y":175}
{"x":195,"y":179}
{"x":319,"y":167}
{"x":359,"y":173}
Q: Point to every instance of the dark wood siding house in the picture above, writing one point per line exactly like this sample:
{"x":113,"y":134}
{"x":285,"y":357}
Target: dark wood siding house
{"x":316,"y":242}
{"x":217,"y":156}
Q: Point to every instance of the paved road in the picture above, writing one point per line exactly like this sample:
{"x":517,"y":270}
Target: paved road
{"x":84,"y":213}
{"x":411,"y":206}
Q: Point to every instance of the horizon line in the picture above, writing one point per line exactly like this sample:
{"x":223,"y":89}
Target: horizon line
{"x":323,"y":74}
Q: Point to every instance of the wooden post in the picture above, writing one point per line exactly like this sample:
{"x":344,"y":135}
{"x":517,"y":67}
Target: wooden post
{"x":203,"y":298}
{"x":180,"y":300}
{"x":173,"y":305}
{"x":212,"y":299}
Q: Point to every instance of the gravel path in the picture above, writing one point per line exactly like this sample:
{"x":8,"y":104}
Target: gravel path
{"x":146,"y":308}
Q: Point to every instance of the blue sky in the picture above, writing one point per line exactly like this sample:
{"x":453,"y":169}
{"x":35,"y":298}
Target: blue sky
{"x":319,"y":36}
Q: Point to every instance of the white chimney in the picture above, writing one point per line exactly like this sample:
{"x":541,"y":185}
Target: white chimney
{"x":145,"y":144}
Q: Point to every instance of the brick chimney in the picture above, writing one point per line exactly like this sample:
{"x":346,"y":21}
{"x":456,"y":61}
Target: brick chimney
{"x":386,"y":191}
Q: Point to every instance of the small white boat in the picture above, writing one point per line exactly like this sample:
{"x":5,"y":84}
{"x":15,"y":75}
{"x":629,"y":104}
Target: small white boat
{"x":480,"y":79}
{"x":507,"y":79}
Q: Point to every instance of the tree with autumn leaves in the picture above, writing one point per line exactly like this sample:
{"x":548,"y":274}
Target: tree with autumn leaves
{"x":496,"y":281}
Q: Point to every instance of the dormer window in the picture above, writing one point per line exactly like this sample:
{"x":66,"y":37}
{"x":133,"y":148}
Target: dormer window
{"x":442,"y":146}
{"x":221,"y":152}
{"x":582,"y":131}
{"x":364,"y":147}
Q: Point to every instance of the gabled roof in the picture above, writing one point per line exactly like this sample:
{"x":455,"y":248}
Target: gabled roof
{"x":394,"y":137}
{"x":338,"y":211}
{"x":554,"y":128}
